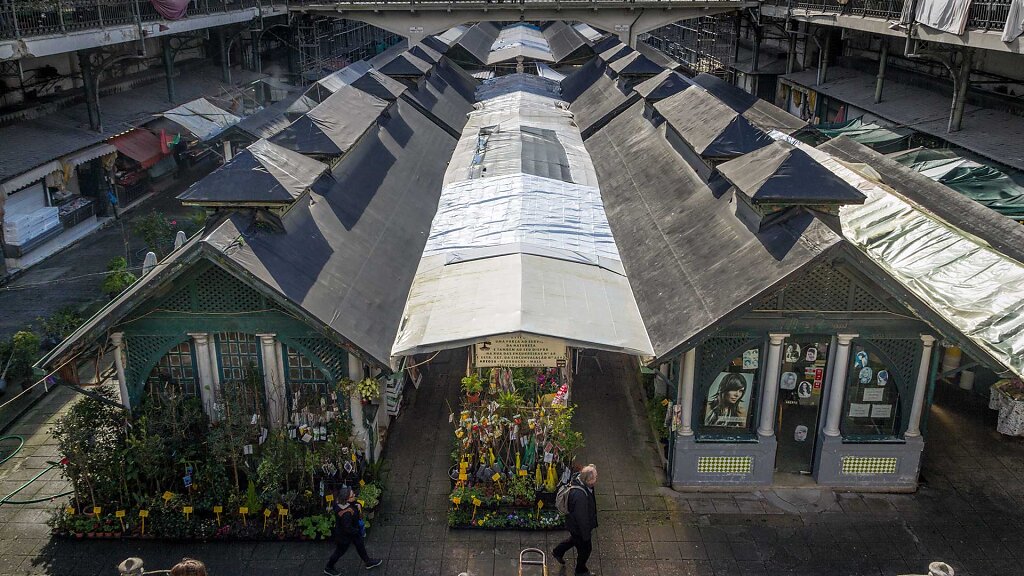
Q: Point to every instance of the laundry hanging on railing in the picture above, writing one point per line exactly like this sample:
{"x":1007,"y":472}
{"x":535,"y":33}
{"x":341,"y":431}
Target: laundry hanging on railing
{"x":171,"y":9}
{"x":1014,"y":21}
{"x":946,"y":15}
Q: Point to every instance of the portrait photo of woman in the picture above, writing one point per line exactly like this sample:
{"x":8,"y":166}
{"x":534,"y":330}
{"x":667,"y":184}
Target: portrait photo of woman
{"x":727,"y":400}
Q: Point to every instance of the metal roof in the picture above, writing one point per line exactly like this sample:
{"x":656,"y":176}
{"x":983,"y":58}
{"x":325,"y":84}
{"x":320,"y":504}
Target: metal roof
{"x":519,"y":41}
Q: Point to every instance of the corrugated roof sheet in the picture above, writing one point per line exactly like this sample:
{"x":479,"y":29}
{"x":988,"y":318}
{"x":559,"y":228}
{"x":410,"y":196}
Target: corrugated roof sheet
{"x":599,"y":103}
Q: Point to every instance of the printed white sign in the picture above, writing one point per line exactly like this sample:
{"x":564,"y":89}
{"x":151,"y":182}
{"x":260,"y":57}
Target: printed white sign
{"x":881,"y":411}
{"x":860,"y":410}
{"x":874,"y":394}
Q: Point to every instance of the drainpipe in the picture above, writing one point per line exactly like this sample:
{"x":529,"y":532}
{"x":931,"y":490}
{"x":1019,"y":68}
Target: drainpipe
{"x":883,"y":57}
{"x":961,"y":83}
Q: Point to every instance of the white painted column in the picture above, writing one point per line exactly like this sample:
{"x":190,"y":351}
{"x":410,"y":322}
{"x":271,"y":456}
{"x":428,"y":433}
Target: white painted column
{"x":770,"y":392}
{"x":122,"y":382}
{"x":273,"y":387}
{"x":205,"y":372}
{"x":923,"y":371}
{"x":837,"y":386}
{"x":686,"y":376}
{"x":355,"y":403}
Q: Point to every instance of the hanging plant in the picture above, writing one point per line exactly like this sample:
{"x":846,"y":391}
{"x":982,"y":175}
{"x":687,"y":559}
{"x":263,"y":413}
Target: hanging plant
{"x":368,"y":389}
{"x":347,"y":386}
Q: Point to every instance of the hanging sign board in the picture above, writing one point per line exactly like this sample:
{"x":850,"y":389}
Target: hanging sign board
{"x":521,"y":351}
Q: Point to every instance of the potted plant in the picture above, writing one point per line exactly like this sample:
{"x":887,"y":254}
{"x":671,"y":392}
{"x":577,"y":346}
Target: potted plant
{"x":369,"y":389}
{"x":472,"y":386}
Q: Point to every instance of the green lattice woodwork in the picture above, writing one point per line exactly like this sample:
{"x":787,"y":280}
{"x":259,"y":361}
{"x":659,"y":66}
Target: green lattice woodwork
{"x":831,"y":288}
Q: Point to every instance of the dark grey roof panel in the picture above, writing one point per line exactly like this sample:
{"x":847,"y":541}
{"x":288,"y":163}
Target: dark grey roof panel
{"x":405,"y":65}
{"x":691,"y":263}
{"x":758,"y":112}
{"x":780,"y":173}
{"x":579,"y":81}
{"x":667,"y":83}
{"x":457,"y":77}
{"x":564,"y":41}
{"x":544,"y":155}
{"x":268,"y":121}
{"x":441,"y":102}
{"x":600,"y":103}
{"x":708,"y":126}
{"x":381,"y":85}
{"x":333,"y":126}
{"x":435,"y":44}
{"x":425,"y":53}
{"x":657,"y":56}
{"x":348,"y":254}
{"x":607,"y":42}
{"x":635,"y":64}
{"x":475,"y":43}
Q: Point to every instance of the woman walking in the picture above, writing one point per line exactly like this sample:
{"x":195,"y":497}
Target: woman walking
{"x":348,"y":529}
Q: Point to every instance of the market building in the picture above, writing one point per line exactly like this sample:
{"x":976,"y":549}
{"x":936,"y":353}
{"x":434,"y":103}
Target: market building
{"x":792,"y":299}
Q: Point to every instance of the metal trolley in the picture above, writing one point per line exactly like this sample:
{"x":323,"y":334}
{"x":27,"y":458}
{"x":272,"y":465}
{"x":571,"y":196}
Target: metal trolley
{"x":533,"y":557}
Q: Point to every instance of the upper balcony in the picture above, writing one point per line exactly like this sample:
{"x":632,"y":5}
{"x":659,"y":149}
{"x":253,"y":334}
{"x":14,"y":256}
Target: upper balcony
{"x":985,"y":19}
{"x":44,"y":27}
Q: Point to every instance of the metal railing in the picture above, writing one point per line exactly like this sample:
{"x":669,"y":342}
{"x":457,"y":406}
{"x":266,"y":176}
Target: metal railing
{"x":984,"y":14}
{"x":27,"y":18}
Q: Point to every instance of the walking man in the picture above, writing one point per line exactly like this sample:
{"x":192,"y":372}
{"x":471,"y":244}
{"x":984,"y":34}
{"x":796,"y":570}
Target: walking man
{"x":581,"y":520}
{"x":348,"y":529}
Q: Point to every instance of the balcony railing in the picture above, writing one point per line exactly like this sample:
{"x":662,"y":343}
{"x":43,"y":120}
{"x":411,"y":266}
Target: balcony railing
{"x":984,"y":14}
{"x":26,"y":18}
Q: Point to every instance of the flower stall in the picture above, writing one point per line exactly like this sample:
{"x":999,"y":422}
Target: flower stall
{"x":514,"y":445}
{"x":169,"y":472}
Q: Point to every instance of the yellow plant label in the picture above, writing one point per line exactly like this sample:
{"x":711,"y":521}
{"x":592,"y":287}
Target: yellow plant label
{"x":97,"y":510}
{"x":329,"y":498}
{"x":143,"y":513}
{"x":119,"y":513}
{"x":496,"y":477}
{"x":362,"y":483}
{"x":186,"y":509}
{"x":243,"y":510}
{"x":456,"y":500}
{"x":463,"y":476}
{"x":282,"y":512}
{"x":218,"y":509}
{"x":522,"y":472}
{"x":476,"y":501}
{"x":266,"y":513}
{"x":540,"y":504}
{"x":70,"y":511}
{"x":168,"y":495}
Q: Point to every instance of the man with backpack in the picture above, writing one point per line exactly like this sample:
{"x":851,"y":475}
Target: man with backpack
{"x":577,"y":501}
{"x":348,"y":529}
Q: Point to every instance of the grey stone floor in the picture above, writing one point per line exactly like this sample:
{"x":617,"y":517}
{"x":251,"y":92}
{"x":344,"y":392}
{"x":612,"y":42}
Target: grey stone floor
{"x":968,"y":512}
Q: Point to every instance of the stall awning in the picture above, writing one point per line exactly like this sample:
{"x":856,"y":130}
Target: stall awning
{"x":88,"y":154}
{"x":140,"y":145}
{"x":200,"y":117}
{"x":34,"y":175}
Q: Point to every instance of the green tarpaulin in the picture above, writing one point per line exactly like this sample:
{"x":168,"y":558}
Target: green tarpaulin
{"x":981,"y":183}
{"x":884,"y":140}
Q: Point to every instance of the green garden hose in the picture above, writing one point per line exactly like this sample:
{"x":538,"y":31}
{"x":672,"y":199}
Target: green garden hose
{"x":5,"y":457}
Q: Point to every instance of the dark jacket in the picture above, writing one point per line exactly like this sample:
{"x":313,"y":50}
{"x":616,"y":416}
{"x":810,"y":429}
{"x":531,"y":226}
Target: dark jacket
{"x":346,"y":521}
{"x":582,"y":518}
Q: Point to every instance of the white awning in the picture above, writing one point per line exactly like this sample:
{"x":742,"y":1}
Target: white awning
{"x":459,"y":304}
{"x":90,"y":153}
{"x":202,"y":118}
{"x":34,"y":175}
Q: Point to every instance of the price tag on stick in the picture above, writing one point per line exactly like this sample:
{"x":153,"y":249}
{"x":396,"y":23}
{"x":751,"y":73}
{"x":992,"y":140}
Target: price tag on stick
{"x":244,"y":511}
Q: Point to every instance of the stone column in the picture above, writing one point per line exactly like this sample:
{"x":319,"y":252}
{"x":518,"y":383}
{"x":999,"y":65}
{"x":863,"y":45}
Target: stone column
{"x":837,"y":386}
{"x":122,"y":382}
{"x":770,"y":392}
{"x":355,"y":404}
{"x":205,"y":372}
{"x":277,"y":406}
{"x":917,"y":408}
{"x":686,"y":376}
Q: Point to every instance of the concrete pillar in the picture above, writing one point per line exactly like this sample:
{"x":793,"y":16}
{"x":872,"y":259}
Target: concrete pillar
{"x":961,"y":84}
{"x":770,"y":391}
{"x":837,"y":386}
{"x":122,"y":381}
{"x":225,"y":55}
{"x":921,"y":388}
{"x":90,"y":85}
{"x":273,"y":386}
{"x":355,"y":372}
{"x":755,"y":59}
{"x":791,"y":54}
{"x":823,"y":59}
{"x":205,"y":372}
{"x":227,"y":150}
{"x":168,"y":57}
{"x":883,"y":56}
{"x":686,"y":377}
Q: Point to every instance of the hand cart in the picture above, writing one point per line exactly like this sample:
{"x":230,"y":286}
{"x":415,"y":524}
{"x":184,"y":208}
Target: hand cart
{"x":529,"y":557}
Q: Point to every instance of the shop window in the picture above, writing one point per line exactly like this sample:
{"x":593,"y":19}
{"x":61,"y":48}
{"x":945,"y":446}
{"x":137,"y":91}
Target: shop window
{"x":872,"y":406}
{"x":728,"y":402}
{"x":239,"y":355}
{"x":175,"y":373}
{"x":308,"y":387}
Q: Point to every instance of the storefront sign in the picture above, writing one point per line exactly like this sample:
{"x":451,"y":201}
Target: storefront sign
{"x":521,"y":351}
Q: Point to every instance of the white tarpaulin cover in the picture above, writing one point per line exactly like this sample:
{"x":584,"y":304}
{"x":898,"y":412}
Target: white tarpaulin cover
{"x":520,"y":242}
{"x":946,"y":15}
{"x":978,"y":290}
{"x":202,"y":118}
{"x":1014,"y":21}
{"x":520,"y":40}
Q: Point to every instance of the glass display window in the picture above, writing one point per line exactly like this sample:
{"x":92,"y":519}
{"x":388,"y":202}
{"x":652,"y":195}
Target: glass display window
{"x":872,"y":404}
{"x":729,"y":399}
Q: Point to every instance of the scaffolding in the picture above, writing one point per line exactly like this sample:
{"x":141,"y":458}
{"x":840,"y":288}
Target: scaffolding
{"x":705,"y":44}
{"x":327,"y":44}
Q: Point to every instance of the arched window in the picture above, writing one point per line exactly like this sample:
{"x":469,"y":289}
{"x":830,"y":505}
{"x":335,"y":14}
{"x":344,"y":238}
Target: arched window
{"x":175,"y":372}
{"x":728,"y":402}
{"x":238,"y":353}
{"x":872,"y":406}
{"x":309,"y":389}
